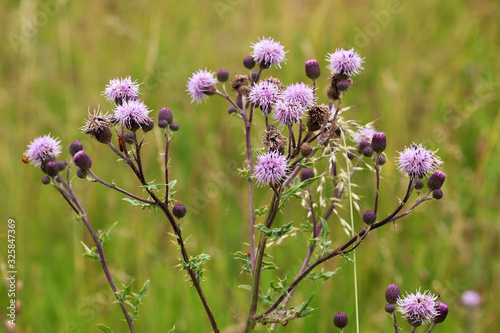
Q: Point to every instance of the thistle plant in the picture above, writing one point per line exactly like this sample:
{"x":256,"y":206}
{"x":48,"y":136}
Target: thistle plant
{"x":310,"y":153}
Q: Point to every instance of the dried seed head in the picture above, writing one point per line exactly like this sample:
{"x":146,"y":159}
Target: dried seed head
{"x":273,"y":140}
{"x":276,"y":82}
{"x":306,"y":149}
{"x":318,"y":115}
{"x":98,"y":125}
{"x":241,"y":84}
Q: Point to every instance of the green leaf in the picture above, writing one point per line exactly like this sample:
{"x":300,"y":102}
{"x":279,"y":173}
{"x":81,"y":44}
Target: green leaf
{"x":244,"y":258}
{"x":90,"y":253}
{"x":137,"y":203}
{"x":304,"y":310}
{"x":322,"y":275}
{"x":125,"y":293}
{"x":104,"y":236}
{"x":172,"y":330}
{"x":297,"y":186}
{"x":154,"y":187}
{"x":268,"y":265}
{"x":275,"y":233}
{"x":195,"y":264}
{"x":171,"y":191}
{"x":143,"y":292}
{"x":104,"y":328}
{"x":261,"y":210}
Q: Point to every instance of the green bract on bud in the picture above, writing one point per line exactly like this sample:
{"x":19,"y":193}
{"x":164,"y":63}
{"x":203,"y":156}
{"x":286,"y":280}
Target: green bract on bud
{"x":379,"y":142}
{"x":437,"y":194}
{"x":174,"y":127}
{"x":249,"y":62}
{"x":369,"y":217}
{"x":436,"y":180}
{"x":222,"y":75}
{"x":46,"y":180}
{"x":179,"y":211}
{"x":82,"y":160}
{"x":419,"y":184}
{"x":75,"y":147}
{"x":340,"y":320}
{"x":312,"y":69}
{"x":392,"y":294}
{"x":81,"y":173}
{"x":390,"y":308}
{"x":51,"y":169}
{"x":165,"y":114}
{"x":306,"y":174}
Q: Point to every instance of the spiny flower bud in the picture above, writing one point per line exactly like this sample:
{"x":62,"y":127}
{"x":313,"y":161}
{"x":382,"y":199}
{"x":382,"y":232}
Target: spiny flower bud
{"x":392,"y":294}
{"x":59,"y":179}
{"x":442,"y":312}
{"x":437,"y":194}
{"x":162,"y":123}
{"x":82,"y":160}
{"x":436,"y":180}
{"x":179,"y":211}
{"x":46,"y":180}
{"x":62,"y":165}
{"x":390,"y":308}
{"x":381,"y":160}
{"x":148,"y":125}
{"x":174,"y":127}
{"x":369,"y":217}
{"x":340,"y":320}
{"x":222,"y":75}
{"x":368,"y":151}
{"x":75,"y":147}
{"x":81,"y":173}
{"x":312,"y":69}
{"x":51,"y":169}
{"x":344,"y":85}
{"x":249,"y":62}
{"x":306,"y":174}
{"x":165,"y":114}
{"x":362,"y":144}
{"x":379,"y":142}
{"x":306,"y":149}
{"x":419,"y":184}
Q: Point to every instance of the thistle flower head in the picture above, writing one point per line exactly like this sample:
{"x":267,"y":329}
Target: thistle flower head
{"x":416,"y":161}
{"x":299,"y":93}
{"x":267,"y":52}
{"x":98,"y":125}
{"x":288,"y":113}
{"x":120,"y":89}
{"x":364,"y":134}
{"x":264,"y":94}
{"x":271,"y":168}
{"x":344,"y":62}
{"x":43,"y":149}
{"x":418,"y":308}
{"x":132,"y":114}
{"x":200,"y":85}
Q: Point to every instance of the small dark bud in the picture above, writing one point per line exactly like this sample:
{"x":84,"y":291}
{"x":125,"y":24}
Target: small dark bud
{"x":82,"y":160}
{"x":132,"y":125}
{"x":379,"y":142}
{"x":442,"y":312}
{"x":364,"y":143}
{"x":62,"y":165}
{"x":392,"y":294}
{"x":179,"y":211}
{"x":249,"y":62}
{"x":344,"y":85}
{"x":306,"y":174}
{"x":75,"y":147}
{"x":381,"y":160}
{"x":368,"y":151}
{"x":51,"y":169}
{"x":436,"y":180}
{"x":340,"y":320}
{"x":162,"y":123}
{"x":165,"y":114}
{"x":222,"y":75}
{"x":174,"y":127}
{"x":369,"y":217}
{"x":306,"y":149}
{"x":59,"y":179}
{"x":129,"y":138}
{"x":419,"y":184}
{"x":312,"y":69}
{"x":46,"y":180}
{"x":103,"y":135}
{"x":148,"y":125}
{"x":437,"y":194}
{"x":231,"y":110}
{"x":333,"y":93}
{"x":81,"y":173}
{"x":350,"y":155}
{"x":254,"y":75}
{"x":390,"y":308}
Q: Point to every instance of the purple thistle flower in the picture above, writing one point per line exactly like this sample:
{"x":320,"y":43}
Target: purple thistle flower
{"x":418,"y":308}
{"x":267,"y":52}
{"x":264,"y":94}
{"x":416,"y":161}
{"x":271,"y":168}
{"x":119,"y":89}
{"x":132,"y":114}
{"x":364,"y":134}
{"x":200,"y":84}
{"x":300,"y":93}
{"x":43,"y":149}
{"x":288,"y":113}
{"x":344,"y":62}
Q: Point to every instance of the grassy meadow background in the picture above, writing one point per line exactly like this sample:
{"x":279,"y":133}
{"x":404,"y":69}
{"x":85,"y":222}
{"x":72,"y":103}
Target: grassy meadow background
{"x":431,"y":75}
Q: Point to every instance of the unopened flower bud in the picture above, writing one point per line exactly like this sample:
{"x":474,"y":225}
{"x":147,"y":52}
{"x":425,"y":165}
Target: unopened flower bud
{"x":81,"y":173}
{"x":437,"y":194}
{"x":379,"y":142}
{"x":165,"y":114}
{"x":129,"y":138}
{"x":381,"y":160}
{"x":306,"y":174}
{"x":442,"y":312}
{"x":392,"y":294}
{"x":312,"y":69}
{"x":368,"y":151}
{"x":174,"y":127}
{"x":390,"y":308}
{"x":436,"y":180}
{"x":419,"y":184}
{"x":231,"y":110}
{"x":369,"y":217}
{"x":148,"y":125}
{"x":62,"y":165}
{"x":59,"y":179}
{"x":249,"y":62}
{"x":254,"y":75}
{"x":75,"y":147}
{"x":350,"y":155}
{"x":82,"y":160}
{"x":162,"y":123}
{"x":340,"y":320}
{"x":344,"y":85}
{"x":179,"y":211}
{"x":46,"y":180}
{"x":222,"y":75}
{"x":51,"y":169}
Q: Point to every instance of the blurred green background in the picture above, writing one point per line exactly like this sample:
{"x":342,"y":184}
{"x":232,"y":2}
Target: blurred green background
{"x":431,"y":75}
